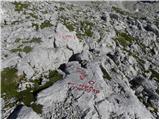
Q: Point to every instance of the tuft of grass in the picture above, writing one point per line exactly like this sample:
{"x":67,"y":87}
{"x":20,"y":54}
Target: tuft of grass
{"x":9,"y":79}
{"x":46,"y":24}
{"x":9,"y":86}
{"x":86,"y":27}
{"x":155,"y":74}
{"x":26,"y":49}
{"x":61,"y":9}
{"x":124,"y":39}
{"x":105,"y":73}
{"x":26,"y":97}
{"x":14,"y":22}
{"x":33,"y":15}
{"x":19,"y":6}
{"x":67,"y":23}
{"x":34,"y":40}
{"x":10,"y":82}
{"x":36,"y":26}
{"x":53,"y":77}
{"x":37,"y":108}
{"x":156,"y":22}
{"x":120,"y":11}
{"x":18,"y":40}
{"x":16,"y":50}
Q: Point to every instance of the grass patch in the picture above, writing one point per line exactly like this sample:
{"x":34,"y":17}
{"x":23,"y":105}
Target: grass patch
{"x":67,"y":23}
{"x":18,"y":40}
{"x":9,"y":86}
{"x":36,"y":26}
{"x":26,"y":96}
{"x":26,"y":49}
{"x":154,"y":74}
{"x":16,"y":50}
{"x":14,"y":22}
{"x":34,"y":40}
{"x":120,"y":11}
{"x":33,"y":15}
{"x":9,"y":80}
{"x":46,"y":24}
{"x":105,"y":73}
{"x":61,"y":9}
{"x":19,"y":6}
{"x":86,"y":28}
{"x":53,"y":77}
{"x":124,"y":39}
{"x":37,"y":108}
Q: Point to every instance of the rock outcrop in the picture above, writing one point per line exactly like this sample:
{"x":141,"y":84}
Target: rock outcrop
{"x":80,"y":60}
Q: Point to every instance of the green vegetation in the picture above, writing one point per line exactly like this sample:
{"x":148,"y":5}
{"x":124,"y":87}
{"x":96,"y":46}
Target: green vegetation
{"x":17,"y":50}
{"x":33,"y":15}
{"x":14,"y":22}
{"x":61,"y":9}
{"x":86,"y":27}
{"x":37,"y":108}
{"x":36,"y":26}
{"x":9,"y":83}
{"x":124,"y":39}
{"x":19,"y":6}
{"x":44,"y":12}
{"x":26,"y":49}
{"x":156,"y":22}
{"x":67,"y":23}
{"x":18,"y":40}
{"x":119,"y":10}
{"x":53,"y":77}
{"x":37,"y":82}
{"x":34,"y":40}
{"x":124,"y":12}
{"x":154,"y":74}
{"x":45,"y":24}
{"x":148,"y":104}
{"x":26,"y":96}
{"x":105,"y":73}
{"x":9,"y":80}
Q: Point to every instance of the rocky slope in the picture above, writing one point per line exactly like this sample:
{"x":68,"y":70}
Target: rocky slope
{"x":79,"y":59}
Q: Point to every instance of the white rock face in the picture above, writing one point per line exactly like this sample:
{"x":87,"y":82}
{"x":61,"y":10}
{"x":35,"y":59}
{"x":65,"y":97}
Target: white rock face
{"x":80,"y":60}
{"x":50,"y":58}
{"x":64,"y":38}
{"x":45,"y":59}
{"x":92,"y":96}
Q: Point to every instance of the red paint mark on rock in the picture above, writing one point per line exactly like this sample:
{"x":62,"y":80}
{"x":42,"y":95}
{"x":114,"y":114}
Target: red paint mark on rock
{"x":65,"y":36}
{"x":85,"y":87}
{"x":82,"y":73}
